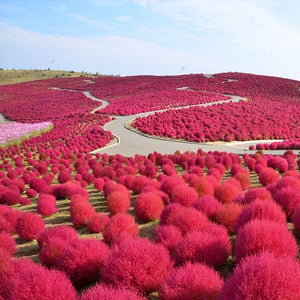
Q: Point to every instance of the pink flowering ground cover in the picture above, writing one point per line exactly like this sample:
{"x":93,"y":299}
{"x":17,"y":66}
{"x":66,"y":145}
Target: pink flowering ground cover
{"x":14,"y":131}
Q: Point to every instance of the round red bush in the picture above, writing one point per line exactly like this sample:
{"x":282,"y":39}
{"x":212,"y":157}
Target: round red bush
{"x":211,"y":246}
{"x":204,"y":186}
{"x":136,"y":263}
{"x":99,"y":184}
{"x":168,"y":235}
{"x":98,"y":222}
{"x":118,"y":224}
{"x":36,"y":283}
{"x":148,"y":206}
{"x":46,"y":205}
{"x":31,"y":193}
{"x":168,"y":213}
{"x":254,"y":193}
{"x":64,"y":176}
{"x":118,"y":202}
{"x":191,"y":282}
{"x":288,"y":199}
{"x":38,"y":184}
{"x":184,"y":195}
{"x":64,"y":232}
{"x":226,"y":192}
{"x":82,"y":259}
{"x":261,"y":210}
{"x":288,"y":182}
{"x":209,"y":205}
{"x":109,"y":293}
{"x":170,"y":182}
{"x":263,"y":276}
{"x":260,"y":235}
{"x":139,"y":183}
{"x":81,"y":213}
{"x":244,"y":179}
{"x":10,"y":197}
{"x":51,"y":251}
{"x":7,"y":243}
{"x":189,"y":219}
{"x":29,"y":226}
{"x":228,"y":214}
{"x":268,"y":176}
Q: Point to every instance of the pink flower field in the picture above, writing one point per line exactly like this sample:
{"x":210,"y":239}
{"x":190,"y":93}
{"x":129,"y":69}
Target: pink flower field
{"x":15,"y":131}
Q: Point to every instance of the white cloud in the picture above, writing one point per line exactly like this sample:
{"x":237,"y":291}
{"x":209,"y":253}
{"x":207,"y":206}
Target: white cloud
{"x":246,"y":24}
{"x":95,"y":23}
{"x":11,"y":8}
{"x":106,"y":54}
{"x":122,"y":18}
{"x":103,"y":2}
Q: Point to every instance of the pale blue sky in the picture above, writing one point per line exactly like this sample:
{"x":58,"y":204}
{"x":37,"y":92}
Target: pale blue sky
{"x":152,"y":36}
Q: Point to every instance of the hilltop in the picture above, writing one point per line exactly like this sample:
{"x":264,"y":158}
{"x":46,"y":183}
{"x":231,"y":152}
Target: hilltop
{"x":17,"y":76}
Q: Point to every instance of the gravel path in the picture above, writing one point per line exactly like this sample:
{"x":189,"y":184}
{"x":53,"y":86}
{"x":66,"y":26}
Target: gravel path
{"x":3,"y":120}
{"x":130,"y":142}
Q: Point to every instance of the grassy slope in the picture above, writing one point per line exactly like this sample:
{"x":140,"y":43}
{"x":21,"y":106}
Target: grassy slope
{"x":17,"y":76}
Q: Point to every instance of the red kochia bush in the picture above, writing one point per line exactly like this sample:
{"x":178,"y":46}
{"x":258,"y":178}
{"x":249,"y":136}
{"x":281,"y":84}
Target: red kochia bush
{"x":261,"y":235}
{"x":7,"y":244}
{"x":81,"y":213}
{"x":31,"y":193}
{"x":254,"y":193}
{"x":46,"y":205}
{"x":64,"y":232}
{"x":109,"y":293}
{"x":168,"y":235}
{"x":204,"y":186}
{"x":118,"y":202}
{"x":189,"y":219}
{"x":98,"y":222}
{"x":226,"y":192}
{"x":268,"y":176}
{"x":288,"y":182}
{"x":136,"y":263}
{"x":38,"y":184}
{"x":191,"y":282}
{"x":51,"y":251}
{"x":170,"y":182}
{"x":168,"y":213}
{"x":184,"y":195}
{"x":35,"y":282}
{"x":148,"y":206}
{"x":244,"y":179}
{"x":288,"y":199}
{"x":228,"y":214}
{"x":209,"y":205}
{"x":10,"y":197}
{"x":262,"y":210}
{"x":263,"y":276}
{"x":82,"y":259}
{"x":210,"y":246}
{"x":29,"y":226}
{"x":118,"y":224}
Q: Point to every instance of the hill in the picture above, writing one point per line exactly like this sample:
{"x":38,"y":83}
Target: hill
{"x":17,"y":76}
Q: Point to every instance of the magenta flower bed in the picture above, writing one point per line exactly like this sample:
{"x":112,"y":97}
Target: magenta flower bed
{"x":225,"y":122}
{"x":14,"y":131}
{"x":35,"y":101}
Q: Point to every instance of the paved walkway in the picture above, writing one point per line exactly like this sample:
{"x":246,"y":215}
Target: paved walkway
{"x":3,"y":120}
{"x":131,"y":142}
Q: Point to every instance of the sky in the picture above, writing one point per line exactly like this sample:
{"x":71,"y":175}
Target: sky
{"x":159,"y":37}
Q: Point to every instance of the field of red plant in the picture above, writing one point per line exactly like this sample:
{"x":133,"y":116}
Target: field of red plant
{"x":192,"y":225}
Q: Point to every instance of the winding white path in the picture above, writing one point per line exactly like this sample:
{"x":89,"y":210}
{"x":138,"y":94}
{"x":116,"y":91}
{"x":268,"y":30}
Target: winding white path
{"x":130,"y":142}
